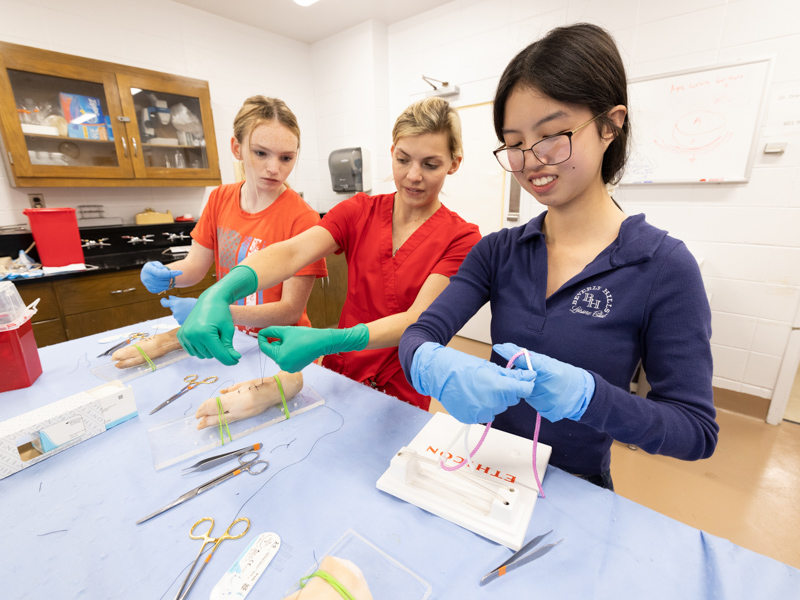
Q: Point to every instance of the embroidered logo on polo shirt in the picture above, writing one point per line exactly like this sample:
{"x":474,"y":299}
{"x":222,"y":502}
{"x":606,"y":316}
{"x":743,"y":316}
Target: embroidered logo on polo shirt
{"x":594,"y":301}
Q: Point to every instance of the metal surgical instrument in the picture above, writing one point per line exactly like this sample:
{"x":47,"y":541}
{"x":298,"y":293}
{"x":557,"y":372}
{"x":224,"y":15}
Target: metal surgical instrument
{"x":213,"y":461}
{"x":207,"y":539}
{"x":244,"y":465}
{"x":124,"y":342}
{"x":192,"y":383}
{"x":517,"y":559}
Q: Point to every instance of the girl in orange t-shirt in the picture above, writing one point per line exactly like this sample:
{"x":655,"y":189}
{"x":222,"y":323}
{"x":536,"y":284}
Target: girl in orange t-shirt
{"x":239,"y":219}
{"x":242,"y":218}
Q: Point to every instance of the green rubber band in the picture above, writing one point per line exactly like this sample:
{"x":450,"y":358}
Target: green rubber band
{"x":222,"y":419}
{"x":332,"y":581}
{"x":147,"y":358}
{"x":283,"y":398}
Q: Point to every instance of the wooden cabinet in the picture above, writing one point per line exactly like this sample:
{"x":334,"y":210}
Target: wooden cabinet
{"x":48,"y":327}
{"x":88,"y":304}
{"x":328,"y":294}
{"x":94,"y":303}
{"x":156,"y":129}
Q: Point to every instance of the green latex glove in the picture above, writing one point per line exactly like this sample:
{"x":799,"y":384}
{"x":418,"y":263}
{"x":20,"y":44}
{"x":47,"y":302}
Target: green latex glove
{"x":298,"y":347}
{"x":208,"y":330}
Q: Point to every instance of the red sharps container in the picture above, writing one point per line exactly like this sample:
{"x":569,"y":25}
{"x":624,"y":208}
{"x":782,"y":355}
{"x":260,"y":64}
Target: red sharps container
{"x":57,"y":237}
{"x":19,"y":355}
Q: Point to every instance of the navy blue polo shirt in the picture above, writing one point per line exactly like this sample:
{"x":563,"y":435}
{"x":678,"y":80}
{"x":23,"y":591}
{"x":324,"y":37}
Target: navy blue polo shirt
{"x":641,"y":299}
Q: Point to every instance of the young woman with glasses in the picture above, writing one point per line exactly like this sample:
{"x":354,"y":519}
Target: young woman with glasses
{"x":588,"y":290}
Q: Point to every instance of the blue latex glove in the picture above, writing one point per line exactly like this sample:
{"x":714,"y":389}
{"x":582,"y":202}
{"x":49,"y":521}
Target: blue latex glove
{"x":180,"y":307}
{"x":562,"y":391}
{"x":472,"y":390}
{"x":157,"y":278}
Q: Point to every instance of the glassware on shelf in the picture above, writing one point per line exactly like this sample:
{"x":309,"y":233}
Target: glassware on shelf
{"x":180,"y":160}
{"x":49,"y":137}
{"x":24,"y":113}
{"x":39,"y":157}
{"x":34,"y":115}
{"x":57,"y":158}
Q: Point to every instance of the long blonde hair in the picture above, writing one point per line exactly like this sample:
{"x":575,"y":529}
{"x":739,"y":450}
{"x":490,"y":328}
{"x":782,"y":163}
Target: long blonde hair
{"x":431,"y":115}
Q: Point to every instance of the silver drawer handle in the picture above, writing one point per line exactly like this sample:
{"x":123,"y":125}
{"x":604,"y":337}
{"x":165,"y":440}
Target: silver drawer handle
{"x":133,"y":289}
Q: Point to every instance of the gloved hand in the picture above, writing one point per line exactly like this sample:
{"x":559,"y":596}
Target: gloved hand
{"x":562,"y":391}
{"x":298,"y":347}
{"x":208,"y":330}
{"x":472,"y":390}
{"x":157,"y":278}
{"x":180,"y":307}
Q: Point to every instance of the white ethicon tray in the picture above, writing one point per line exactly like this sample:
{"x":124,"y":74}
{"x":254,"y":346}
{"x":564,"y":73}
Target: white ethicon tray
{"x":493,"y":497}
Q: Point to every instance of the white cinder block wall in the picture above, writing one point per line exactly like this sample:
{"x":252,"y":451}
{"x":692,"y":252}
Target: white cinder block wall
{"x":237,"y":61}
{"x":348,"y":89}
{"x":352,"y":83}
{"x":747,"y":234}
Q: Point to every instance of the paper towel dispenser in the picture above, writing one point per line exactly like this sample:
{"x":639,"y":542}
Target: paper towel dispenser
{"x":350,"y":170}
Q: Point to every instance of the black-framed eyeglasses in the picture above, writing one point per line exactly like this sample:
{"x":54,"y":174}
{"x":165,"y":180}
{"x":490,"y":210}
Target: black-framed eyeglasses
{"x":552,"y":150}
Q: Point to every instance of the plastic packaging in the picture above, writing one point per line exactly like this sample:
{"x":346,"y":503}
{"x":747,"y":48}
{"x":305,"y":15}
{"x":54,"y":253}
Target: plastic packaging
{"x":180,"y":160}
{"x":174,"y":441}
{"x":55,"y":231}
{"x":185,"y":120}
{"x":11,"y":306}
{"x":387,"y":579}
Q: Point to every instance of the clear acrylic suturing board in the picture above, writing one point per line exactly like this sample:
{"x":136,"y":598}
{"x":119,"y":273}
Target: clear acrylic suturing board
{"x":178,"y":440}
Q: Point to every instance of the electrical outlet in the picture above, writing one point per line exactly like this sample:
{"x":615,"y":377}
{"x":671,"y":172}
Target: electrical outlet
{"x":37,"y":200}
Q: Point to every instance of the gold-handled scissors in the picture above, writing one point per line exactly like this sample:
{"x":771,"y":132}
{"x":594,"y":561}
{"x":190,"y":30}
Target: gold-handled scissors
{"x":124,"y":342}
{"x":207,"y":539}
{"x":192,"y":383}
{"x":254,"y":466}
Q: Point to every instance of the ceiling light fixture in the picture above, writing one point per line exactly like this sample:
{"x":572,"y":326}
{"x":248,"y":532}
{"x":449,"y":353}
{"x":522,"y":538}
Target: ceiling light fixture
{"x":305,"y":2}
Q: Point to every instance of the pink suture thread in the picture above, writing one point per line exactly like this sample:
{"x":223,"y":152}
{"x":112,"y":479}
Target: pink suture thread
{"x":486,"y":431}
{"x":471,"y":454}
{"x":535,"y":430}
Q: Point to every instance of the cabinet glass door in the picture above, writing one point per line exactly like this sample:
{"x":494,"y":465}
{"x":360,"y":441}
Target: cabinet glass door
{"x":65,"y":127}
{"x":170,"y":121}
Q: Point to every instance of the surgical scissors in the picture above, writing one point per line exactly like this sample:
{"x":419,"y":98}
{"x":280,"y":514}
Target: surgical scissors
{"x":192,"y":383}
{"x":209,"y":463}
{"x":125,"y":342}
{"x":517,"y":559}
{"x":244,"y":465}
{"x":207,"y":539}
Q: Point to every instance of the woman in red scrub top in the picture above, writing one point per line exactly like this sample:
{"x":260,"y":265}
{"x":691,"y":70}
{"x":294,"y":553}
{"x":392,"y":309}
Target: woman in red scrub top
{"x":401,"y":250}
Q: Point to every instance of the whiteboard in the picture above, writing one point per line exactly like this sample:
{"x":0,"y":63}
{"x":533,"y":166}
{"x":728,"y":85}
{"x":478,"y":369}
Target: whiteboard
{"x":696,"y":126}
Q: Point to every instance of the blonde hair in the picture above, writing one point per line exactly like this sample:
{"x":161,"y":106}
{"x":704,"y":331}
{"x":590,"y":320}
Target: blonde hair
{"x":256,"y":110}
{"x":431,"y":115}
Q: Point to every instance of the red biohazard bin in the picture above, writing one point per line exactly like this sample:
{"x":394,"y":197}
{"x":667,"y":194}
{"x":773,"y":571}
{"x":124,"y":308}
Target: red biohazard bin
{"x":19,"y":355}
{"x":55,"y":231}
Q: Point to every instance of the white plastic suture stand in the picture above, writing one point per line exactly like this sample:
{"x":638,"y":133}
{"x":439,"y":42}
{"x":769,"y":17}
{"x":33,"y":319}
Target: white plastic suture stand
{"x":494,"y":496}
